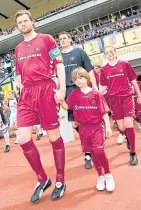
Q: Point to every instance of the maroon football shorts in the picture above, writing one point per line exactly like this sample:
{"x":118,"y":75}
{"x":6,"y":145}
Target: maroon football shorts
{"x":122,"y":106}
{"x":91,"y":135}
{"x":37,"y":105}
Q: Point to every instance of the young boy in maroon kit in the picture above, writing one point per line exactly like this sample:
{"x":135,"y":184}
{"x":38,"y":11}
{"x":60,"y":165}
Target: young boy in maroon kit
{"x":90,"y":109}
{"x":118,"y":77}
{"x":36,"y":57}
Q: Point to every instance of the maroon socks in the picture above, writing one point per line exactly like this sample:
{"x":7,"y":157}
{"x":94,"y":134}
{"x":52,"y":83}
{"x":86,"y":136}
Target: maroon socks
{"x":59,"y":158}
{"x":32,"y":155}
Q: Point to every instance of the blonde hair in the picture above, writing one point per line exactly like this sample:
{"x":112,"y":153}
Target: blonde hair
{"x":109,"y":46}
{"x":80,"y":72}
{"x":23,"y":12}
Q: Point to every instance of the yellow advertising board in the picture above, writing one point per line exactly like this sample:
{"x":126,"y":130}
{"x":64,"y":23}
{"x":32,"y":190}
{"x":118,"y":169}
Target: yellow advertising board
{"x":126,"y":53}
{"x":92,"y":47}
{"x":97,"y":59}
{"x":115,"y":39}
{"x":132,"y":36}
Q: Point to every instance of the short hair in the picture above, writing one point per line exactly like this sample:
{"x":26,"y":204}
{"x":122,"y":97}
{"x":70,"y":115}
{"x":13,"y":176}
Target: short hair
{"x":23,"y":12}
{"x":109,"y":46}
{"x":80,"y":72}
{"x":66,"y":33}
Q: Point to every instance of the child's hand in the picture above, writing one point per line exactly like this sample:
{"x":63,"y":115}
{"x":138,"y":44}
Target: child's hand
{"x":61,"y":102}
{"x":75,"y":124}
{"x":108,"y":132}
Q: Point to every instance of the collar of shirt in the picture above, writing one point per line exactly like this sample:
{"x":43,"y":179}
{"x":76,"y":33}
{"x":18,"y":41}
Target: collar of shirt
{"x":113,"y":64}
{"x":68,"y":50}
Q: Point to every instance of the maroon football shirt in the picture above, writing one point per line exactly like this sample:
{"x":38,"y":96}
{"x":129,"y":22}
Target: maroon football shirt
{"x":36,"y":59}
{"x":118,"y":78}
{"x":87,"y":108}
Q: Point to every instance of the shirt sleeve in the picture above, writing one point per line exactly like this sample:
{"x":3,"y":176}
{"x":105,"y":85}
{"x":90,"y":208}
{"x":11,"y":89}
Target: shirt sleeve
{"x":86,"y":63}
{"x":17,"y":68}
{"x":53,"y":50}
{"x":102,"y":104}
{"x":103,"y":80}
{"x":70,"y":100}
{"x":131,"y":72}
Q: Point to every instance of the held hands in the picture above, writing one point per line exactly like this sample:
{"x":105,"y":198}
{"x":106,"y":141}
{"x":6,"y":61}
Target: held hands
{"x":59,"y":95}
{"x":108,"y":132}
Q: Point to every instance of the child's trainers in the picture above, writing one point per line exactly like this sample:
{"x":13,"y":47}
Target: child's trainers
{"x":101,"y":183}
{"x":110,"y":184}
{"x":120,"y":138}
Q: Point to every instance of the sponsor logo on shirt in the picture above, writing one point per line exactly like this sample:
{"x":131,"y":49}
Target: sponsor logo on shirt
{"x":115,"y":75}
{"x":85,"y":107}
{"x":70,"y":65}
{"x":29,"y":56}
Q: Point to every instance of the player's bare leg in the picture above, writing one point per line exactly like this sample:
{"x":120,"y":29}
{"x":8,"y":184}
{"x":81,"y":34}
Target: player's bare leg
{"x":122,"y":130}
{"x":33,"y":157}
{"x":59,"y":159}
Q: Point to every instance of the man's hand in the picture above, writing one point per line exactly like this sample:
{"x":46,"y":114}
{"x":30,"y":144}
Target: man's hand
{"x":59,"y":95}
{"x":108,"y":132}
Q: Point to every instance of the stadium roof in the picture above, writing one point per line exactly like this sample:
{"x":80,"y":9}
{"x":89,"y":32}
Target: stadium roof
{"x":9,"y":7}
{"x":38,"y":7}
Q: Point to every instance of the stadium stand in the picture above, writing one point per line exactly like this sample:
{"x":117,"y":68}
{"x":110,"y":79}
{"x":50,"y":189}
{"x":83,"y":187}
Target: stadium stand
{"x":99,"y":28}
{"x":48,"y":14}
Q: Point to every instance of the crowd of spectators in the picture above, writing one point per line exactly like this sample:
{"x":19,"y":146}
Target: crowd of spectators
{"x":6,"y":65}
{"x":61,"y":9}
{"x":7,"y":31}
{"x":48,"y":14}
{"x":82,"y":35}
{"x":99,"y":29}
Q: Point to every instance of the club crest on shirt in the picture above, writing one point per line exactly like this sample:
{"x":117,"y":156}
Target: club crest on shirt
{"x":72,"y":58}
{"x":37,"y":48}
{"x":93,"y":101}
{"x":76,"y":107}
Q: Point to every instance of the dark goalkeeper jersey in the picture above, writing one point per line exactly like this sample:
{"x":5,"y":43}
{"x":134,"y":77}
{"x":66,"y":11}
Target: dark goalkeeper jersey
{"x":73,"y":59}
